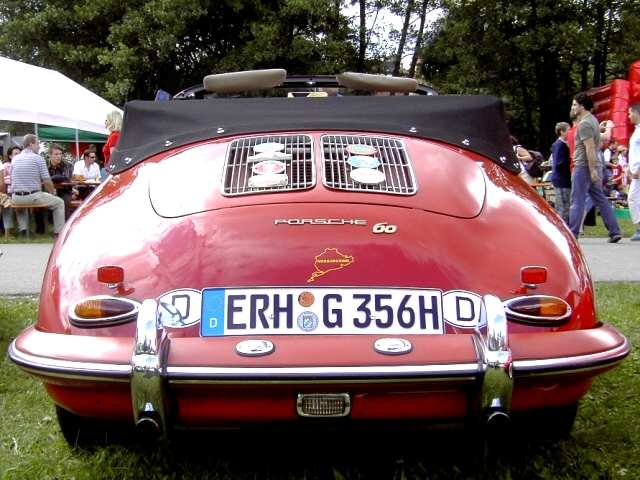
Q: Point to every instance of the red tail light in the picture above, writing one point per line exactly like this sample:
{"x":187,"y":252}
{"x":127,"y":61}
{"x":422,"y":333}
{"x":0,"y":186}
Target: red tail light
{"x":533,"y":275}
{"x":111,"y":274}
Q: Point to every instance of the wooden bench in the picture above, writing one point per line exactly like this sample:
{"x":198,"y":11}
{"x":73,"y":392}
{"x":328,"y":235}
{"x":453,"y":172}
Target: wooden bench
{"x":28,"y":207}
{"x":545,"y":189}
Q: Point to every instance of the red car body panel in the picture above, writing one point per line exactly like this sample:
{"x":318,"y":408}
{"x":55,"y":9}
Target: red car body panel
{"x":471,"y":226}
{"x":229,"y":246}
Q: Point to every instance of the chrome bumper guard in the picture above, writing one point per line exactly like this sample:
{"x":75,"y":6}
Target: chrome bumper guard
{"x":149,"y":373}
{"x":495,"y":355}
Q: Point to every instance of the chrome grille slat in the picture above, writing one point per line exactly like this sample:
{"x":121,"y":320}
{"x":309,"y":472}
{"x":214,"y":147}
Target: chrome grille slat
{"x":300,"y":169}
{"x":394,"y":163}
{"x":398,"y":169}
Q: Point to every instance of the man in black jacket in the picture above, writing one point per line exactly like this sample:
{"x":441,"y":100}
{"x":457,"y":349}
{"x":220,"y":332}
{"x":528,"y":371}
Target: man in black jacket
{"x":60,"y":172}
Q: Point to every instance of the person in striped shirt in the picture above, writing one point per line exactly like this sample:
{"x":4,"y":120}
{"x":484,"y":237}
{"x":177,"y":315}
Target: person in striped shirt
{"x":29,"y":174}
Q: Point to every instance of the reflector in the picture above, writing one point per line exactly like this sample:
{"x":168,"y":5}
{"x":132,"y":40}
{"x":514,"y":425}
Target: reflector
{"x":110,"y":274}
{"x":533,"y":275}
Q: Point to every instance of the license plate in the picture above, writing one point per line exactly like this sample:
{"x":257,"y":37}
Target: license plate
{"x":320,"y":311}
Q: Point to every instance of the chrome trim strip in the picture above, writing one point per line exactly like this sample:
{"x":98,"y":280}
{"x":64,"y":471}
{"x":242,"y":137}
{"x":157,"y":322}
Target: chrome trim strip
{"x":400,"y":371}
{"x":497,"y":383}
{"x":149,"y":356}
{"x":465,"y":379}
{"x":562,"y":364}
{"x":67,"y":368}
{"x":121,"y":372}
{"x":103,"y":371}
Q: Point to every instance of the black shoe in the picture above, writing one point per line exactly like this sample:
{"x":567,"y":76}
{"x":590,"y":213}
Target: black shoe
{"x":615,"y":238}
{"x":22,"y":234}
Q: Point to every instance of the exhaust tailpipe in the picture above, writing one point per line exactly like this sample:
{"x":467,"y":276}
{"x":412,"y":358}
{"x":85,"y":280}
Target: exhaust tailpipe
{"x":148,"y":428}
{"x":497,"y":423}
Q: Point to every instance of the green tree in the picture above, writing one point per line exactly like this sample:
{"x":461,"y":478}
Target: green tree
{"x":126,"y":50}
{"x":536,"y":54}
{"x":408,"y":10}
{"x":419,"y":37}
{"x":366,"y":29}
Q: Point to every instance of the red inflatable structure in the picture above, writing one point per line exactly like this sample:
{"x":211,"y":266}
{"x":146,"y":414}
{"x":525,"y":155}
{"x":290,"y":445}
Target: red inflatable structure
{"x":611,"y":102}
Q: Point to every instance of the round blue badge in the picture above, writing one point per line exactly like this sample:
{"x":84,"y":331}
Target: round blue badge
{"x":360,"y":161}
{"x":308,"y":321}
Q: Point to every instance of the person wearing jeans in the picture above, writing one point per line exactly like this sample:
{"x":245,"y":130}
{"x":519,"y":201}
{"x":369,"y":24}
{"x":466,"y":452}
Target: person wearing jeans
{"x":586,"y":176}
{"x":560,"y":171}
{"x":28,"y":175}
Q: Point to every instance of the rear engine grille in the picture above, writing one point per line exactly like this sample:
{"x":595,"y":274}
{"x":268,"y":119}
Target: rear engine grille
{"x":394,"y":163}
{"x":299,"y":169}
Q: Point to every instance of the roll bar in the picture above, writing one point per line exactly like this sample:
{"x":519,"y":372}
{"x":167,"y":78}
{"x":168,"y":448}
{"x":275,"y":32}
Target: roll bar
{"x":252,"y":80}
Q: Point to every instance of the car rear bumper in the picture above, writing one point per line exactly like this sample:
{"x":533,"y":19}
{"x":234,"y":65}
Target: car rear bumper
{"x":186,"y":379}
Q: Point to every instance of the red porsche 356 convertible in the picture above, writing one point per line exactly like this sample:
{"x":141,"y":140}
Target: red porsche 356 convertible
{"x":373,"y":257}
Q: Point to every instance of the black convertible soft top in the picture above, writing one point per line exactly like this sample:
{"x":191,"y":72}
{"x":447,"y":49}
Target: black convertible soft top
{"x":474,"y":123}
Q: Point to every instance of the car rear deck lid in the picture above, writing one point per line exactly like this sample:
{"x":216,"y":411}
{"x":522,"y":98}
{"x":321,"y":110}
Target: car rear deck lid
{"x":418,"y":175}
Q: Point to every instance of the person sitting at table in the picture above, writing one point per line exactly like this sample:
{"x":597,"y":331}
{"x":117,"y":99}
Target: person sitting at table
{"x":5,"y":172}
{"x":61,"y":171}
{"x":29,"y":175}
{"x":5,"y":200}
{"x":87,"y":168}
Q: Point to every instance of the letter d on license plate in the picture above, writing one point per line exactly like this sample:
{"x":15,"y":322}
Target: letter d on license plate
{"x":212,"y":319}
{"x":324,"y":311}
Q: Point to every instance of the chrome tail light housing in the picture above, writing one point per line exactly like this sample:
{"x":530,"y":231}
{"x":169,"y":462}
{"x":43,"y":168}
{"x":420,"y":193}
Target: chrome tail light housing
{"x":103,"y":311}
{"x":540,"y":310}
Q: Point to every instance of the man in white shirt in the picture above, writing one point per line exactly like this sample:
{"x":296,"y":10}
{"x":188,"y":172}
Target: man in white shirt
{"x":634,"y":169}
{"x":28,"y":175}
{"x":86,"y":169}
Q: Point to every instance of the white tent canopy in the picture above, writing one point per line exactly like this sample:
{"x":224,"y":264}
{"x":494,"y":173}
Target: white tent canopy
{"x":41,"y":96}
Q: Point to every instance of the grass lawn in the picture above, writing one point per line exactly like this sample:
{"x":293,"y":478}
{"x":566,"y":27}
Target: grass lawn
{"x":605,"y":443}
{"x":626,"y":227}
{"x":33,"y":238}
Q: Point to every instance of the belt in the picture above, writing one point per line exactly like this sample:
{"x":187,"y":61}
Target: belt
{"x":20,"y":194}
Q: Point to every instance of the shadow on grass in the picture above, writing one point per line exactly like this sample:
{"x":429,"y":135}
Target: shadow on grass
{"x":365,"y":452}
